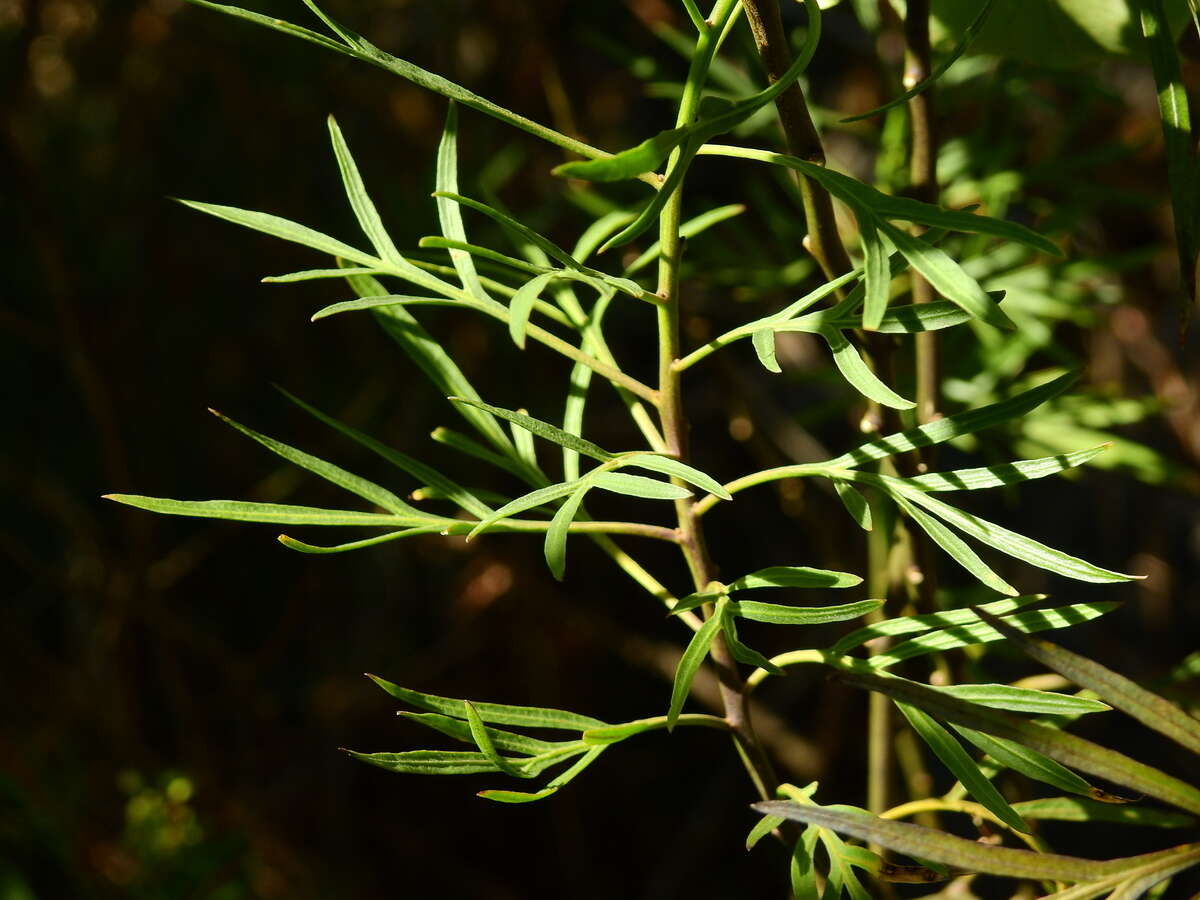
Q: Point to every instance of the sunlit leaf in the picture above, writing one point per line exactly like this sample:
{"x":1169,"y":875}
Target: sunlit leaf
{"x":779,"y":614}
{"x":855,"y":503}
{"x":638,"y":486}
{"x":910,"y":624}
{"x":483,"y":740}
{"x":556,"y":535}
{"x":689,"y":664}
{"x":669,"y":466}
{"x":795,"y":577}
{"x":449,"y":212}
{"x":859,"y":374}
{"x":542,"y":429}
{"x":1003,"y":473}
{"x":956,"y":547}
{"x":1026,"y":761}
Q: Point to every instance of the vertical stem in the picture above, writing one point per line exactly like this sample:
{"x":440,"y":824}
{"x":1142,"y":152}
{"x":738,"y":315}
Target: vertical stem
{"x":801,"y":135}
{"x":675,"y":426}
{"x":917,"y":59}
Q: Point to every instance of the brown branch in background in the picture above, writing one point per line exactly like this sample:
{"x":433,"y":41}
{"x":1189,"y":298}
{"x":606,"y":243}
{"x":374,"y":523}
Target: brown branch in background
{"x":801,"y":135}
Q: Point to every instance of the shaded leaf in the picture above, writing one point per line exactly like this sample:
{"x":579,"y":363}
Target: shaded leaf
{"x":855,"y":503}
{"x":956,"y":547}
{"x":1003,"y":473}
{"x":1026,"y":761}
{"x":859,"y":374}
{"x":556,"y":535}
{"x":689,"y":664}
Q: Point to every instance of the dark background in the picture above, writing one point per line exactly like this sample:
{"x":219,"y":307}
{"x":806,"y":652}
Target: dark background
{"x":175,"y":691}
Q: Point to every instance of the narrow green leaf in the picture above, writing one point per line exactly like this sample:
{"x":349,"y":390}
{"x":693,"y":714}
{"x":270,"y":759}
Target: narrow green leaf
{"x":360,"y":200}
{"x":954,"y":426}
{"x":473,"y":448}
{"x":598,"y":232}
{"x":556,"y":534}
{"x":532,"y":500}
{"x":419,"y":470}
{"x":286,"y":230}
{"x":552,"y":788}
{"x":429,"y":762}
{"x":495,"y":713}
{"x":449,"y":213}
{"x":689,"y":664}
{"x":1076,"y":809}
{"x":311,"y":274}
{"x":795,"y":577}
{"x":693,"y":601}
{"x":968,"y":36}
{"x":980,"y":632}
{"x":542,"y":429}
{"x":761,"y":829}
{"x":301,"y":547}
{"x":928,"y":843}
{"x":376,"y":303}
{"x":738,"y":650}
{"x":1026,"y":700}
{"x":952,"y":755}
{"x":580,"y":381}
{"x":947,"y":277}
{"x":1066,"y":748}
{"x":484,"y":741}
{"x":1131,"y":698}
{"x":502,"y":740}
{"x":1024,"y":548}
{"x":644,"y":157}
{"x":670,"y":466}
{"x":911,"y":624}
{"x":274,"y":513}
{"x":523,"y":441}
{"x":1004,"y":473}
{"x":348,"y":481}
{"x":473,"y":250}
{"x":779,"y":614}
{"x":956,"y":547}
{"x":855,"y":503}
{"x":1026,"y":761}
{"x":803,"y":868}
{"x":764,"y":348}
{"x":876,"y":274}
{"x":276,"y":25}
{"x":1177,"y":131}
{"x":860,"y":376}
{"x":521,"y":306}
{"x":918,"y":317}
{"x":638,"y":486}
{"x":517,"y":796}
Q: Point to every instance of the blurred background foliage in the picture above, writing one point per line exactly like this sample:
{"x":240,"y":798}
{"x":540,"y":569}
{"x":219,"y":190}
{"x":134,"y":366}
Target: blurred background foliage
{"x":175,"y":691}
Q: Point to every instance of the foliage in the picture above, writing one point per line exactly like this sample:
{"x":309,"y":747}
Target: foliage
{"x":910,"y":252}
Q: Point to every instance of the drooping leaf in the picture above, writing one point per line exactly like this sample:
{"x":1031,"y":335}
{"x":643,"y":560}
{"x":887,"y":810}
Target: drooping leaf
{"x":956,"y":547}
{"x":764,"y":348}
{"x":689,"y":664}
{"x":496,"y":713}
{"x":556,"y":534}
{"x":859,"y":374}
{"x":1026,"y":761}
{"x":318,"y":549}
{"x":952,"y":755}
{"x":483,"y":740}
{"x":1131,"y":698}
{"x":738,"y":650}
{"x":551,"y":788}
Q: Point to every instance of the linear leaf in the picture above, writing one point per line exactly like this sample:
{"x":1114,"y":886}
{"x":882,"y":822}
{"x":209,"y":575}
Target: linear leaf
{"x":1077,"y":809}
{"x":779,"y":614}
{"x":968,"y":35}
{"x":449,"y":213}
{"x":669,"y":466}
{"x":360,"y":200}
{"x":689,"y":664}
{"x":979,"y":632}
{"x":795,"y":577}
{"x":855,"y":503}
{"x":738,"y":650}
{"x":556,"y":535}
{"x":503,"y":740}
{"x":532,"y":500}
{"x":275,"y":513}
{"x":376,"y":303}
{"x":1026,"y":761}
{"x":472,"y":250}
{"x":286,"y":230}
{"x":311,"y":274}
{"x":348,"y":481}
{"x":499,"y":714}
{"x":429,"y":762}
{"x":1131,"y":698}
{"x":419,"y":470}
{"x":860,"y":376}
{"x":1003,"y":473}
{"x":317,"y":549}
{"x":473,"y":448}
{"x":877,"y":274}
{"x":954,"y":426}
{"x":947,"y":277}
{"x":639,"y":486}
{"x":955,"y":758}
{"x":551,"y":788}
{"x":521,"y":306}
{"x":644,"y":157}
{"x":917,"y":317}
{"x":692,"y":601}
{"x":910,"y":624}
{"x":1068,"y":749}
{"x":483,"y":740}
{"x":1026,"y":700}
{"x":1024,"y":548}
{"x":928,"y":843}
{"x":542,"y":429}
{"x":956,"y":547}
